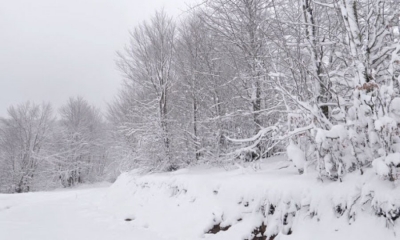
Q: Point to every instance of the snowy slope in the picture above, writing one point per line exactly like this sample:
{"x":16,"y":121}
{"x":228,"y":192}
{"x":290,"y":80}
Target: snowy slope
{"x":186,"y":204}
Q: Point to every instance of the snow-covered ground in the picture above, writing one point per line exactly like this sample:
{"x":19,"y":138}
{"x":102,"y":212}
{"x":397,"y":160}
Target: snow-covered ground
{"x":187,"y":204}
{"x":64,"y":215}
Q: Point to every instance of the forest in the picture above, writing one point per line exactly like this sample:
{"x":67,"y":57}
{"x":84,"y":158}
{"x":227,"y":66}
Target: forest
{"x":231,"y":82}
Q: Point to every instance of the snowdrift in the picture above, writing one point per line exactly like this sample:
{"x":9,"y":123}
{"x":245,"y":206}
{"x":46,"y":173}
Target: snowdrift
{"x":274,"y":202}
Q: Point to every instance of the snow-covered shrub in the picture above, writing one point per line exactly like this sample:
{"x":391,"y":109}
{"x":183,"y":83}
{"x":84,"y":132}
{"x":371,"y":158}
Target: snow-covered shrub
{"x":354,"y":106}
{"x":335,"y":151}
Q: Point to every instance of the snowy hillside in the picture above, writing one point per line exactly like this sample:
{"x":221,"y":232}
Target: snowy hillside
{"x":275,"y":201}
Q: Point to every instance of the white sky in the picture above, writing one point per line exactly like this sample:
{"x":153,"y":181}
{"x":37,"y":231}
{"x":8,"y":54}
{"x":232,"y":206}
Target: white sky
{"x":51,"y":50}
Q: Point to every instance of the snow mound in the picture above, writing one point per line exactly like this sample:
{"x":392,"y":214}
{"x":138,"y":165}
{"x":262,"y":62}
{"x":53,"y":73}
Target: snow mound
{"x":211,"y":203}
{"x":297,"y":155}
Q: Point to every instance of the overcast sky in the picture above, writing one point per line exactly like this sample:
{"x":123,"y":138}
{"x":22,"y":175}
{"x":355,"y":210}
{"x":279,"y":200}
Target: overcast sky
{"x":53,"y":49}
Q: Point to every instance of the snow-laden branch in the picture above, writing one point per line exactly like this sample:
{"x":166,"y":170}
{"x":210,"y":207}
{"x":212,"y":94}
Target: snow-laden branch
{"x":259,"y":135}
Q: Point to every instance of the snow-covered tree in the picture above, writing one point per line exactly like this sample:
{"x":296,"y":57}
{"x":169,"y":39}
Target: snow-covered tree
{"x":352,"y":52}
{"x":147,"y":65}
{"x":242,"y":26}
{"x":82,"y":146}
{"x":25,"y":141}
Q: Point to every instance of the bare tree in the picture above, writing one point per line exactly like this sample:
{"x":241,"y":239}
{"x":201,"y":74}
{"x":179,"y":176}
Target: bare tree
{"x":82,"y":151}
{"x":147,"y":65}
{"x":24,"y":138}
{"x":243,"y":27}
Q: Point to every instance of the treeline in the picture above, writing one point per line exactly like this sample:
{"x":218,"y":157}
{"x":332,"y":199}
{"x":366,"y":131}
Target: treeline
{"x":39,"y":150}
{"x":238,"y":80}
{"x":246,"y":79}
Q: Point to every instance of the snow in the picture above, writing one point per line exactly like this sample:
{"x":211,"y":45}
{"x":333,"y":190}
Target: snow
{"x":395,"y":109}
{"x":296,"y":155}
{"x":185,"y":204}
{"x":373,"y":138}
{"x":63,"y":215}
{"x":393,"y":158}
{"x":385,"y":122}
{"x":396,"y":31}
{"x":337,"y":132}
{"x":380,"y":167}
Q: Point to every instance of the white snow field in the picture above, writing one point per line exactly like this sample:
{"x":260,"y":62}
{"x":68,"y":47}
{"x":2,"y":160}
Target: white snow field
{"x":187,"y":204}
{"x":63,"y":215}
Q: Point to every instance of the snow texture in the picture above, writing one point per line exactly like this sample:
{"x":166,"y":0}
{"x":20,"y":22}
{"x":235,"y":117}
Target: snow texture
{"x":297,"y":155}
{"x":187,"y":203}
